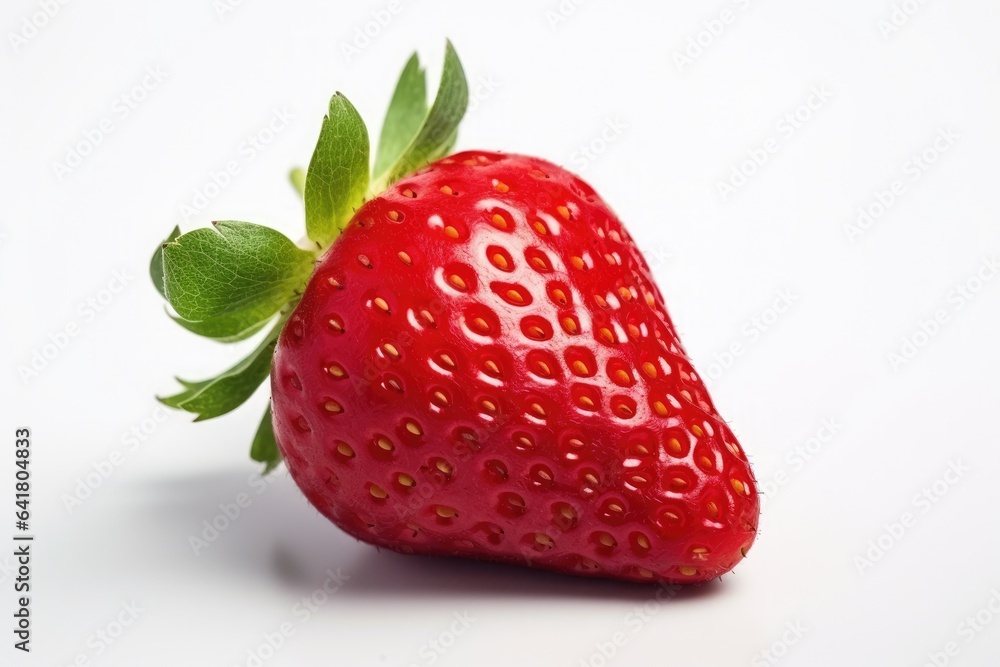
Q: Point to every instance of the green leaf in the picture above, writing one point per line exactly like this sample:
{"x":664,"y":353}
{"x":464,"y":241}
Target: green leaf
{"x":337,"y":179}
{"x":265,"y":448}
{"x":156,"y":264}
{"x":231,"y":388}
{"x":227,"y":328}
{"x":297,"y":177}
{"x":227,"y":280}
{"x":406,"y":114}
{"x":438,"y":131}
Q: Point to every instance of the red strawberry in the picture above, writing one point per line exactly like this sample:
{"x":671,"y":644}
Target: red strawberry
{"x":481,"y":365}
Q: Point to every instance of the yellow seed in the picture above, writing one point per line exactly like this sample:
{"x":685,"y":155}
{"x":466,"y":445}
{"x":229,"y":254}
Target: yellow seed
{"x":569,"y":324}
{"x":599,"y":300}
{"x":334,"y":283}
{"x":500,"y":261}
{"x":642,"y":541}
{"x":649,"y":369}
{"x":499,"y":221}
{"x":586,"y":401}
{"x":444,"y":467}
{"x":500,"y":186}
{"x":446,"y":190}
{"x":334,"y":407}
{"x":538,"y":410}
{"x":543,"y":540}
{"x":622,"y":377}
{"x":405,"y":480}
{"x":394,"y":215}
{"x":713,"y":509}
{"x":336,"y":370}
{"x":427,"y":317}
{"x":345,"y":450}
{"x":674,"y":446}
{"x":580,"y":368}
{"x":544,"y":475}
{"x":563,"y":211}
{"x":440,"y":397}
{"x":739,"y":486}
{"x":451,"y":232}
{"x":615,"y":508}
{"x":577,"y":262}
{"x":385,"y":444}
{"x":515,"y":296}
{"x":336,"y":325}
{"x":539,"y":264}
{"x":457,"y":281}
{"x":699,"y":553}
{"x":492,"y":367}
{"x":559,"y":296}
{"x":381,"y":304}
{"x":697,"y":430}
{"x":446,"y":512}
{"x":688,"y":571}
{"x":481,"y":325}
{"x":409,"y":193}
{"x":625,"y":410}
{"x":378,"y":492}
{"x":540,"y":227}
{"x":525,"y":441}
{"x":660,"y":408}
{"x":414,"y":428}
{"x":644,"y":573}
{"x":706,"y":463}
{"x":536,"y":332}
{"x":678,"y":483}
{"x":489,"y":405}
{"x":607,"y":335}
{"x":391,"y":350}
{"x":606,"y":540}
{"x":447,"y":361}
{"x":591,"y":479}
{"x":405,"y":258}
{"x":542,"y":368}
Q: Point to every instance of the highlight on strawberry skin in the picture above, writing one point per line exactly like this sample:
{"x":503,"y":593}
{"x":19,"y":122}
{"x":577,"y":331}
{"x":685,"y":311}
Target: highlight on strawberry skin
{"x":468,"y":357}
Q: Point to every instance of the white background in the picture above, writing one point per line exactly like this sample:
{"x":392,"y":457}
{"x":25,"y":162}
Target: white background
{"x":548,"y":84}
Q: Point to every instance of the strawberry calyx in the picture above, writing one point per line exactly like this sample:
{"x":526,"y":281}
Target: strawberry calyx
{"x":235,"y":279}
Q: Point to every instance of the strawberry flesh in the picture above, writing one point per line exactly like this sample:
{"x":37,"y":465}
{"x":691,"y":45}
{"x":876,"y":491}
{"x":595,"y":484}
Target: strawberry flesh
{"x":482,"y":366}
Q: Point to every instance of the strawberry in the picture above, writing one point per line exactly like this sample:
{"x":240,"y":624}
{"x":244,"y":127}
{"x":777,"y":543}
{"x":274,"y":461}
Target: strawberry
{"x":474,"y":360}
